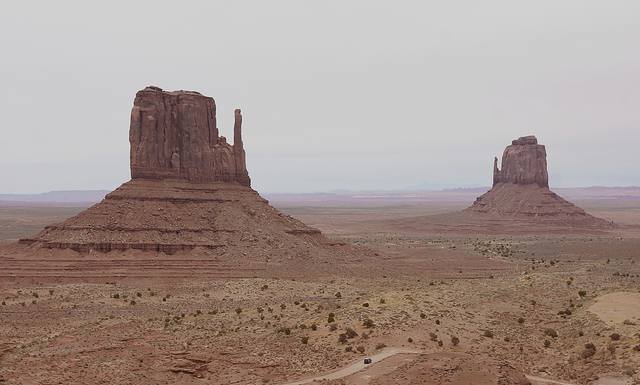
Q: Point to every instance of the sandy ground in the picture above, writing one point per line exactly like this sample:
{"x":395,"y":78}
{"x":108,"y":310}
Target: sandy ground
{"x":483,"y":308}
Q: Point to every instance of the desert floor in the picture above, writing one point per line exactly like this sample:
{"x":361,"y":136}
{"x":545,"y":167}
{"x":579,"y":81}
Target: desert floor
{"x":456,"y":308}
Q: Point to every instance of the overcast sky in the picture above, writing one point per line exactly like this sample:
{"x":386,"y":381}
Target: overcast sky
{"x":335,"y":94}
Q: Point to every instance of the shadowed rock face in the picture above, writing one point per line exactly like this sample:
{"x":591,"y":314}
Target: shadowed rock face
{"x":174,"y":135}
{"x":523,"y":162}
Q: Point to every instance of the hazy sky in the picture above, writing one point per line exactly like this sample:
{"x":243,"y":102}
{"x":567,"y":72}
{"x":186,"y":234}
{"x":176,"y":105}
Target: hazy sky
{"x":335,"y":94}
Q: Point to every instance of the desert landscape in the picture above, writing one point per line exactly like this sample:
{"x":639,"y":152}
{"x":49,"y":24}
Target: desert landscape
{"x":194,"y":278}
{"x":381,"y":193}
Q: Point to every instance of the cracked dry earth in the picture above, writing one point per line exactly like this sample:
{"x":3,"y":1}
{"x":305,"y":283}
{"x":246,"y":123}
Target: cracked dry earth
{"x":487,"y":308}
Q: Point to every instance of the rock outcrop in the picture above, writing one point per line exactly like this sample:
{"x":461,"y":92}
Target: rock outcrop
{"x":523,"y":162}
{"x":521,"y":189}
{"x":174,"y":135}
{"x":189,"y":190}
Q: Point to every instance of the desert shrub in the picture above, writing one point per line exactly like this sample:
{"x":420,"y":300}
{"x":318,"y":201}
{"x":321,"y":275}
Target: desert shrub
{"x":382,"y":301}
{"x":433,"y":336}
{"x":455,"y":340}
{"x":615,"y":337}
{"x":366,"y":304}
{"x":342,"y":338}
{"x":260,"y":309}
{"x":303,"y":326}
{"x":331,"y":318}
{"x":314,"y":327}
{"x":238,"y":311}
{"x":589,"y":350}
{"x":410,"y":340}
{"x":351,"y":333}
{"x":50,"y":291}
{"x":551,"y":333}
{"x":283,"y":306}
{"x":132,"y":302}
{"x":380,"y":345}
{"x":138,"y":294}
{"x":348,"y":348}
{"x":488,"y":334}
{"x":284,"y":330}
{"x":116,"y":296}
{"x":636,"y":348}
{"x":582,"y":293}
{"x":4,"y":303}
{"x":360,"y":349}
{"x":547,"y":343}
{"x":437,"y":322}
{"x":520,"y":320}
{"x":338,"y":295}
{"x":333,"y":327}
{"x":368,"y":323}
{"x":565,"y":312}
{"x":365,"y":336}
{"x":296,"y":303}
{"x":35,"y":294}
{"x":264,"y":287}
{"x":304,"y":340}
{"x":422,"y":315}
{"x":440,"y":343}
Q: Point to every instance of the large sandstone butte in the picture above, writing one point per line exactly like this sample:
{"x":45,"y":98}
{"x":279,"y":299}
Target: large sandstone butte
{"x":189,"y":193}
{"x":521,"y":189}
{"x":174,"y":135}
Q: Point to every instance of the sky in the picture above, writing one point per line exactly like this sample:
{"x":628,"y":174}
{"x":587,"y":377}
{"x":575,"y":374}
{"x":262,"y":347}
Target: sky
{"x":336,"y":95}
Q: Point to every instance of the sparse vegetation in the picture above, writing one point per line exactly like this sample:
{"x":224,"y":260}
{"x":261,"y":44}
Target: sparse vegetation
{"x":588,"y":351}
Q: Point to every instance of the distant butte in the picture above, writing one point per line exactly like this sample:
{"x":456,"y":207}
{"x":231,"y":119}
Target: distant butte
{"x":521,"y":189}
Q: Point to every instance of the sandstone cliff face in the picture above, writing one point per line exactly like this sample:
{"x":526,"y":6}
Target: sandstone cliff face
{"x":523,"y":162}
{"x":174,"y":135}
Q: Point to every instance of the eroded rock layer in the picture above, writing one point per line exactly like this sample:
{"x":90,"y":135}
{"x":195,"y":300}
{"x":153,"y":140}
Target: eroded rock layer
{"x":521,"y":189}
{"x":172,"y":215}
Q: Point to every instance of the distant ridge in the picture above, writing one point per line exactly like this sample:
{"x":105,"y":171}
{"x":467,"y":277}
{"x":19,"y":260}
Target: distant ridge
{"x":63,"y":196}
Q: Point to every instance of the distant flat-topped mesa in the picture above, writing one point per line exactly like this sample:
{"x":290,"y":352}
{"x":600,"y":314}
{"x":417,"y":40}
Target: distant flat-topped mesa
{"x":523,"y":162}
{"x":521,"y":189}
{"x":174,"y":135}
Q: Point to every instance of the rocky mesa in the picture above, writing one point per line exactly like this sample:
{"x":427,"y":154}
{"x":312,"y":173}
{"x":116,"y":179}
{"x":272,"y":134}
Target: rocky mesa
{"x":521,"y":189}
{"x":189,"y":193}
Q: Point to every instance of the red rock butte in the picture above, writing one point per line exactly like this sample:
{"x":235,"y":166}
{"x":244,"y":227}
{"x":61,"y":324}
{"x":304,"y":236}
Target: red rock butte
{"x":189,"y":193}
{"x":521,"y":189}
{"x":174,"y":135}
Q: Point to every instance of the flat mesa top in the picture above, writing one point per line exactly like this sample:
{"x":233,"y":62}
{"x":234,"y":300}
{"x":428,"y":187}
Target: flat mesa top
{"x":524,"y":140}
{"x":174,"y":93}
